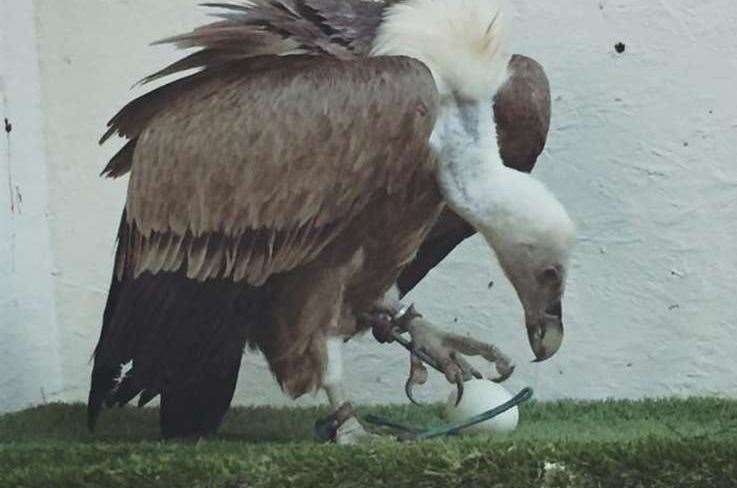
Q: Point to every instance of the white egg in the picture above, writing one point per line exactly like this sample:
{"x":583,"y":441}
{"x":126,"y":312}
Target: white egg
{"x":480,"y":396}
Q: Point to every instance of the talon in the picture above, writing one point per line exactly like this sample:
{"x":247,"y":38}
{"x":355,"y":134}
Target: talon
{"x":444,"y":352}
{"x":326,"y":429}
{"x":417,"y":376}
{"x":469,"y":372}
{"x":409,"y":390}
{"x":459,"y":384}
{"x":505,"y":371}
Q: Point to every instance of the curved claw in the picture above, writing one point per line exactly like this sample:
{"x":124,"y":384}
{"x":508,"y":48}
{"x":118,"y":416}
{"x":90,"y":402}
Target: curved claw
{"x":409,"y":391}
{"x":326,"y":429}
{"x":505,"y":372}
{"x":417,"y":376}
{"x":459,"y":385}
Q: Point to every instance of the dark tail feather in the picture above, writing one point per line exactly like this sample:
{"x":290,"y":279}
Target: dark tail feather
{"x":105,"y":377}
{"x":104,"y":380}
{"x":198,"y":409}
{"x":127,"y":389}
{"x":184,"y":340}
{"x":147,"y":396}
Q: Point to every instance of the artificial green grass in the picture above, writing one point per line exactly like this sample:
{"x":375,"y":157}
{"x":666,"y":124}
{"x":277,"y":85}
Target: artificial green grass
{"x":668,"y":443}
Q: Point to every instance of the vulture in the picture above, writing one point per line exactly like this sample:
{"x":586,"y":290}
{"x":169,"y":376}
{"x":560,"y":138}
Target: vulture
{"x":311,"y":155}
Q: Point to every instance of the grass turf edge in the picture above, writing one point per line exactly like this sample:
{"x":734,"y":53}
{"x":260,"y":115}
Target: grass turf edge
{"x":663,"y":443}
{"x":464,"y":462}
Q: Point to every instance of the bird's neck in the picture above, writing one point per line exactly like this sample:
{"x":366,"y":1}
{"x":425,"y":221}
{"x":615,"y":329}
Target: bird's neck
{"x":472,"y":176}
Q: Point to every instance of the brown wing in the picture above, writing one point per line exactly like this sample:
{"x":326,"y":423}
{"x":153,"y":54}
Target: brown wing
{"x":252,"y":170}
{"x":352,"y":23}
{"x":522,"y":114}
{"x":341,"y":28}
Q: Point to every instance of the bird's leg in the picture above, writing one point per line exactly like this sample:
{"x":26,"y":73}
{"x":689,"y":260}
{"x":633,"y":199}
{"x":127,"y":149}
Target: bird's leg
{"x":342,"y":424}
{"x":441,"y":350}
{"x":333,"y":380}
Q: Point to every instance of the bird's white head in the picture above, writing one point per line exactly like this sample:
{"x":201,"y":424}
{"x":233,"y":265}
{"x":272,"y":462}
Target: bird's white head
{"x":463,"y":44}
{"x":526,"y":226}
{"x":532,"y":237}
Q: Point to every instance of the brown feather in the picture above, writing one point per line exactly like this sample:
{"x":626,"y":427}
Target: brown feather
{"x":522,"y":113}
{"x":249,"y":175}
{"x":344,"y":29}
{"x":122,"y":162}
{"x":251,"y":150}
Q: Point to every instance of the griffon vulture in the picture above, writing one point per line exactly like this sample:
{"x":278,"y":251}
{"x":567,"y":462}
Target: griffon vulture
{"x":277,"y":194}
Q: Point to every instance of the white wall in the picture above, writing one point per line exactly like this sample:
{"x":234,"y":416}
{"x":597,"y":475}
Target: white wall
{"x":29,"y":347}
{"x":642,"y":151}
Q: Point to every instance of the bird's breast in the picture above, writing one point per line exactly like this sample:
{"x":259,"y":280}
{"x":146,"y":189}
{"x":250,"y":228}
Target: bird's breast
{"x":390,"y":231}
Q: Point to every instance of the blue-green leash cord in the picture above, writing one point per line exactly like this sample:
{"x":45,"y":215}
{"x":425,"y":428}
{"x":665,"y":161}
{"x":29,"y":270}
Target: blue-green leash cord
{"x":409,"y":433}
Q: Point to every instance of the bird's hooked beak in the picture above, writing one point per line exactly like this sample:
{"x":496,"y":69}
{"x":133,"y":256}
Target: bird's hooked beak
{"x":545,"y":331}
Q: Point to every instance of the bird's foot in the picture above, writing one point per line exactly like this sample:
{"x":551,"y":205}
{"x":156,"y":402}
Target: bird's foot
{"x":343,"y":428}
{"x":431,"y":346}
{"x":352,"y":433}
{"x":447,"y":353}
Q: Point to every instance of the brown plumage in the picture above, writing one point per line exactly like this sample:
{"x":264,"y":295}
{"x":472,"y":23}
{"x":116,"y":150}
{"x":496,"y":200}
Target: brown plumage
{"x":522,"y":113}
{"x":251,"y":206}
{"x":253,"y":216}
{"x":251,"y":181}
{"x":343,"y":28}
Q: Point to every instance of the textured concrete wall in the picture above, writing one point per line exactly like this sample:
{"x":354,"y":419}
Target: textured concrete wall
{"x":642,"y":151}
{"x":29,"y":347}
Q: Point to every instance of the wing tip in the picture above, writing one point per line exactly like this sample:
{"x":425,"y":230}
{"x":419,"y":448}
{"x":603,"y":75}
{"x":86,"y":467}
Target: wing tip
{"x":94,"y":409}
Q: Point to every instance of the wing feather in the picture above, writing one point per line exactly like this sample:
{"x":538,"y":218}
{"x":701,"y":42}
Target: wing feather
{"x":522,"y":113}
{"x":255,"y":168}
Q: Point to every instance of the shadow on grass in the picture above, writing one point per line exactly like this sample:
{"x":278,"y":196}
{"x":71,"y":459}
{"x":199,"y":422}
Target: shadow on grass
{"x":257,"y":425}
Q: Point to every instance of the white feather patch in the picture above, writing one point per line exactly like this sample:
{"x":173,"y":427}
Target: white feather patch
{"x":461,"y":41}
